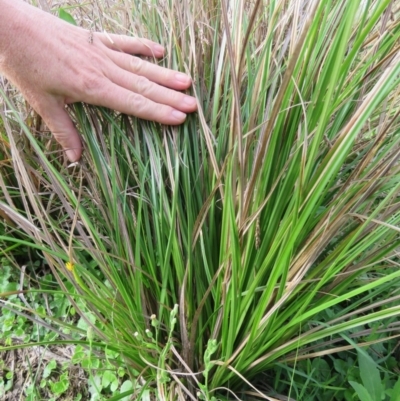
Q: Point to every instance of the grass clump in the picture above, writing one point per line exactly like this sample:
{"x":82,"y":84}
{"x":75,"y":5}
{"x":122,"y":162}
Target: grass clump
{"x":264,"y":230}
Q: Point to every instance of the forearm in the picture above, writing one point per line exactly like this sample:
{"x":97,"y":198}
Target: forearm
{"x":16,"y":18}
{"x":9,"y":24}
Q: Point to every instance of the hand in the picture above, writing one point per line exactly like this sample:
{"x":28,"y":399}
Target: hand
{"x":54,"y":63}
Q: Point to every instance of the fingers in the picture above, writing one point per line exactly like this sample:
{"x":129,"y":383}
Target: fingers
{"x":117,"y":98}
{"x":61,"y":126}
{"x":153,"y":91}
{"x":163,"y":76}
{"x":131,"y":45}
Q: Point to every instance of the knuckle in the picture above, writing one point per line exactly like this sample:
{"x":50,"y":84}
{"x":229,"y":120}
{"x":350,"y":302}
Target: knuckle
{"x":91,"y":83}
{"x":143,"y":85}
{"x":136,"y":103}
{"x":136,"y":64}
{"x":87,"y":82}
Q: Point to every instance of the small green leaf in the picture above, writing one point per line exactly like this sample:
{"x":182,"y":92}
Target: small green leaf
{"x":64,"y":377}
{"x":370,"y":376}
{"x":114,"y":385}
{"x":126,"y":386}
{"x":66,"y":16}
{"x":19,"y":332}
{"x":90,"y":363}
{"x":340,"y":366}
{"x":78,"y":356}
{"x":49,"y":368}
{"x":395,"y":396}
{"x":59,"y":387}
{"x":348,"y":395}
{"x":322,"y":369}
{"x":108,"y":377}
{"x":361,"y":391}
{"x":82,"y":323}
{"x":30,"y":389}
{"x":95,"y":386}
{"x":41,"y":311}
{"x":111,"y":354}
{"x":9,"y":385}
{"x":85,"y":363}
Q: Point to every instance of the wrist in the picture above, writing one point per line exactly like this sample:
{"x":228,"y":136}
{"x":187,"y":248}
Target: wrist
{"x":14,"y":22}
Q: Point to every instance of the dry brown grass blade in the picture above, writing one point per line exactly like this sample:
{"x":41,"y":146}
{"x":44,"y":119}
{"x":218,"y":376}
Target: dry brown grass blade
{"x":394,"y":327}
{"x":297,"y":340}
{"x":274,"y":306}
{"x":206,"y":206}
{"x":23,"y":223}
{"x":36,"y":213}
{"x":377,"y":43}
{"x":275,"y":110}
{"x":336,"y":350}
{"x":236,"y":129}
{"x":350,"y":125}
{"x":247,"y":35}
{"x":259,"y":393}
{"x":196,"y":316}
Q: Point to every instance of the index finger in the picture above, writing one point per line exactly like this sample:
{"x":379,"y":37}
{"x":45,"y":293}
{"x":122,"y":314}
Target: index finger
{"x":155,"y":73}
{"x":130,"y":45}
{"x":123,"y":100}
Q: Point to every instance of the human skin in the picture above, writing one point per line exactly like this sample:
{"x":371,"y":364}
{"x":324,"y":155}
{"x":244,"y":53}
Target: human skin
{"x":54,"y":63}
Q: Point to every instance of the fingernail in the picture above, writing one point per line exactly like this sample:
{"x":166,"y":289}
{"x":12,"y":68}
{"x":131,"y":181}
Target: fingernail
{"x":159,"y":49}
{"x":71,"y":154}
{"x":190,"y":101}
{"x":178,"y":115}
{"x":182,"y":78}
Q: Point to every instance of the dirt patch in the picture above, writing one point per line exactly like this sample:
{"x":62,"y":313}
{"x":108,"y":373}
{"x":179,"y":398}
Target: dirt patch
{"x":22,"y":369}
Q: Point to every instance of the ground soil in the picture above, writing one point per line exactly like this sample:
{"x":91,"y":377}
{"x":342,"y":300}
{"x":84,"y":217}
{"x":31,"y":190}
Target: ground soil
{"x":27,"y":365}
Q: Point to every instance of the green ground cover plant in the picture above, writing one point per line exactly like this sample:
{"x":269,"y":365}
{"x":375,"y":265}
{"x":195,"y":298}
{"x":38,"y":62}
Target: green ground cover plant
{"x":51,"y":373}
{"x":372,"y":387}
{"x":219,"y":259}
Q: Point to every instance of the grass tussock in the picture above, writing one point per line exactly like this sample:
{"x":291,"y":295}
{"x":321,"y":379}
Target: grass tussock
{"x":264,"y":229}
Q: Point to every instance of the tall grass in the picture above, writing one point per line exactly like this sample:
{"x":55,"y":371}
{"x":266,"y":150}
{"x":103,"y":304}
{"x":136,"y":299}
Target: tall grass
{"x":265,"y":228}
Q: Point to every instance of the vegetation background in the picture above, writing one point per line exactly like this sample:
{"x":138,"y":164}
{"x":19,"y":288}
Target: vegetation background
{"x":250,"y":253}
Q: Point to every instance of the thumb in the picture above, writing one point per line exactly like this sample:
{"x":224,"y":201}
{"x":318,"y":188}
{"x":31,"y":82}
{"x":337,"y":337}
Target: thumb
{"x":61,"y":126}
